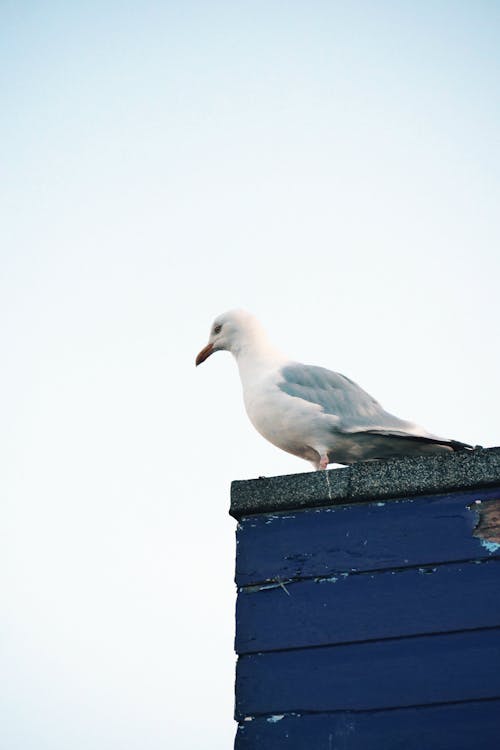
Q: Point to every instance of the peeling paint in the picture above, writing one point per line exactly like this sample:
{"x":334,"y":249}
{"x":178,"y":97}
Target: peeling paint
{"x":274,"y":517}
{"x":282,"y":585}
{"x":490,"y":546}
{"x":276,"y":584}
{"x":275,"y":718}
{"x":487,"y":526}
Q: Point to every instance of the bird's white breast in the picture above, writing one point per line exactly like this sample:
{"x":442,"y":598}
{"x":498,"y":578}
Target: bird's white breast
{"x":289,"y":423}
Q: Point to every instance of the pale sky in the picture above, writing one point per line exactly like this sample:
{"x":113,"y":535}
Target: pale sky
{"x":334,"y":167}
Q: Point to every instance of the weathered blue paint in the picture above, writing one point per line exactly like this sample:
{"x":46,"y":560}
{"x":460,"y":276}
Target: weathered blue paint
{"x":324,"y":611}
{"x":461,"y":726}
{"x":369,"y":536}
{"x":376,"y":674}
{"x":370,"y":626}
{"x":491,"y":547}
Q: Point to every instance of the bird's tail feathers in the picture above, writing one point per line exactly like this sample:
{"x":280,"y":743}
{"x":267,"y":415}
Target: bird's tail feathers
{"x":455,"y":445}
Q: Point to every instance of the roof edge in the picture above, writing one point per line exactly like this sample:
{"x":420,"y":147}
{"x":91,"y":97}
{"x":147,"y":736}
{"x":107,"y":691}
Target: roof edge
{"x":390,"y":478}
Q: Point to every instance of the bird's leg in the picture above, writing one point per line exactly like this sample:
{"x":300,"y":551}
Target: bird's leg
{"x":323,"y":462}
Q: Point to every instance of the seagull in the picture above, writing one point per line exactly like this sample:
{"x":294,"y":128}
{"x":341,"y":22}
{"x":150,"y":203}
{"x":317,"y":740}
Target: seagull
{"x":311,"y":412}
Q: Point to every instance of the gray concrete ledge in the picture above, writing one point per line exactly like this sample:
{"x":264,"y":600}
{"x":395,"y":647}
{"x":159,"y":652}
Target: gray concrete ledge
{"x":392,"y":478}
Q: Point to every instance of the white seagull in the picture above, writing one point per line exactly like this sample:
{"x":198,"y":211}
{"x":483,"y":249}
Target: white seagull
{"x":312,"y":412}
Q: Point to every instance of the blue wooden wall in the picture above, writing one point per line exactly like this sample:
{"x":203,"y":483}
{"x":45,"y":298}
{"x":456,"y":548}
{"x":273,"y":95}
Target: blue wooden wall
{"x":370,"y":626}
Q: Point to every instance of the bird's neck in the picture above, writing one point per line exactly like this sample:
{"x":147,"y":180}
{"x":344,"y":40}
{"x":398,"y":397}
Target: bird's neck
{"x":256,"y":357}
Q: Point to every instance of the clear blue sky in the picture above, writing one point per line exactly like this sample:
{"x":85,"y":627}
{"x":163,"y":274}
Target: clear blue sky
{"x":333,"y":167}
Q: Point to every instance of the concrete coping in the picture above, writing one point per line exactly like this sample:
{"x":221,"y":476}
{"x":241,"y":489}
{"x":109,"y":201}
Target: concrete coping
{"x":391,"y":478}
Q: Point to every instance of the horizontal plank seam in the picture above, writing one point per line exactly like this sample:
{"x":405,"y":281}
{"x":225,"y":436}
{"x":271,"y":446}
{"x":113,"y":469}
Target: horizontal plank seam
{"x":309,"y":712}
{"x":271,"y":510}
{"x":267,"y":583}
{"x":258,"y":652}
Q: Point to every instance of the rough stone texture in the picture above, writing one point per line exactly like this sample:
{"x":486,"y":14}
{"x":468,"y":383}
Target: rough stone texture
{"x":392,"y":478}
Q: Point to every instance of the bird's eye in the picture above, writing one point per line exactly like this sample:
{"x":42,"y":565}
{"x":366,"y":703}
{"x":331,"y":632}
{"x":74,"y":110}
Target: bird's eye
{"x":217,"y":329}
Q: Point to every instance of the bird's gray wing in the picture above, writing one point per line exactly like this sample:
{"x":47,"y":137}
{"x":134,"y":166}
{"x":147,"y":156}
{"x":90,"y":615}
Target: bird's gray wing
{"x":339,"y":396}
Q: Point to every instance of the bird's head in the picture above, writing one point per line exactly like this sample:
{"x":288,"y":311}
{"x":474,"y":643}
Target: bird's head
{"x":231,"y":331}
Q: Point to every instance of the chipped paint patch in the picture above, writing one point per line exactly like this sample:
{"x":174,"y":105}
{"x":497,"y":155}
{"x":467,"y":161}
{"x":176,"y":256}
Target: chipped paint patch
{"x":490,"y":546}
{"x":275,"y":718}
{"x":276,"y":584}
{"x":487,"y":528}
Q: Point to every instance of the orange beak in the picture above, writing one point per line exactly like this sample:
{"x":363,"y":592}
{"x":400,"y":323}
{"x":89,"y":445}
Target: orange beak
{"x":204,"y":354}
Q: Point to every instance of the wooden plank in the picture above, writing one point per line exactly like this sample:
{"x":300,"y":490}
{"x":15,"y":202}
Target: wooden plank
{"x":370,"y":536}
{"x":462,"y":726}
{"x":372,"y":675}
{"x":358,"y":607}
